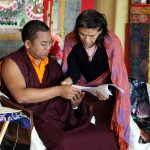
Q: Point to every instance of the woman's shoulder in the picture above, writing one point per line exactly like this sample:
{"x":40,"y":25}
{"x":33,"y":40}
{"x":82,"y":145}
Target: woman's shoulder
{"x":77,"y":46}
{"x":76,"y":49}
{"x":111,"y":39}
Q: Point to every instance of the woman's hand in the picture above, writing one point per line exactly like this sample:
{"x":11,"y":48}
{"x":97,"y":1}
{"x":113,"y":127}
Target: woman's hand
{"x":101,"y":96}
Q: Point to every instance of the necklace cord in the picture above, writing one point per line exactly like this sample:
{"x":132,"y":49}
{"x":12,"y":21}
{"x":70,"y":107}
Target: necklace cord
{"x":90,"y":57}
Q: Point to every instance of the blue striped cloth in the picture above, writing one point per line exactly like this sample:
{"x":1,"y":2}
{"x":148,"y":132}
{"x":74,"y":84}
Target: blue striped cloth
{"x":18,"y":117}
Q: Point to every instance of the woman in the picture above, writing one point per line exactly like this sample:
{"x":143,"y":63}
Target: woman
{"x":94,"y":56}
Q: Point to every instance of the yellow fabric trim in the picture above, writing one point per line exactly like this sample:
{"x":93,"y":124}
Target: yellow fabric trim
{"x":62,"y":18}
{"x":39,"y":69}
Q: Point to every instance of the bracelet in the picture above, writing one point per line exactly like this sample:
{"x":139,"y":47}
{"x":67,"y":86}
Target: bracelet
{"x":75,"y":107}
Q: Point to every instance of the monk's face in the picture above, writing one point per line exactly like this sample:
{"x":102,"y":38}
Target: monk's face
{"x":40,"y":47}
{"x":88,"y":36}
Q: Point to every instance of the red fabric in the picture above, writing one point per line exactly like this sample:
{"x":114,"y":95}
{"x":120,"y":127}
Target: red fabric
{"x":87,"y":4}
{"x":103,"y":79}
{"x":45,"y":10}
{"x":127,"y":51}
{"x":121,"y":115}
{"x":46,"y":3}
{"x":51,"y":5}
{"x":54,"y":49}
{"x":70,"y":41}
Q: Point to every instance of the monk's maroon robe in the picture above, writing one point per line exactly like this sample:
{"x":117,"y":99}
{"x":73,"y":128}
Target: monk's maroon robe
{"x":58,"y":125}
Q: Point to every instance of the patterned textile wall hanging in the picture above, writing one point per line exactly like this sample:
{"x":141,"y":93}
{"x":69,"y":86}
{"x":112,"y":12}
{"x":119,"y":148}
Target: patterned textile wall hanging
{"x":55,"y":17}
{"x":15,"y":13}
{"x":139,"y":51}
{"x":72,"y":10}
{"x":65,"y":12}
{"x":9,"y":40}
{"x":139,"y":45}
{"x":60,"y":16}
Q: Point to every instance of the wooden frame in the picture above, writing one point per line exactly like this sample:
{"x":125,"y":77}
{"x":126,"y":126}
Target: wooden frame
{"x":24,"y":134}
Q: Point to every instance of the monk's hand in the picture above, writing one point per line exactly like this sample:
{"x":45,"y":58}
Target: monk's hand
{"x":77,"y":99}
{"x":101,"y":96}
{"x":68,"y":92}
{"x":67,"y":81}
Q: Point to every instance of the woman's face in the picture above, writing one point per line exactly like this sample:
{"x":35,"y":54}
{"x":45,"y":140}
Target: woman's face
{"x":88,"y":36}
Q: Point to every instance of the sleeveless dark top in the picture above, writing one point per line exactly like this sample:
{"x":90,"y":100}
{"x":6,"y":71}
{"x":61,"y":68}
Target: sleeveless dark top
{"x":78,"y":63}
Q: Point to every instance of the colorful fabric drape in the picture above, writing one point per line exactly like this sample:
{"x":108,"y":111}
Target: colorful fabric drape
{"x":87,"y":4}
{"x":45,"y":10}
{"x":72,"y":10}
{"x":139,"y":42}
{"x":67,"y":13}
{"x":16,"y":13}
{"x":18,"y":117}
{"x":140,"y":13}
{"x":139,"y":55}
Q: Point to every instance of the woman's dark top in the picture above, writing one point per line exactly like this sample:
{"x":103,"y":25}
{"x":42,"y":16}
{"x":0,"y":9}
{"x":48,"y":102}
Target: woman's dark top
{"x":78,"y":63}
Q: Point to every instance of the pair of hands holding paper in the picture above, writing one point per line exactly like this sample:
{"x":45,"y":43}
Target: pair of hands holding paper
{"x":75,"y":95}
{"x":77,"y":98}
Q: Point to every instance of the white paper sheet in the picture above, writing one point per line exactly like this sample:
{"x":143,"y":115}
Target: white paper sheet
{"x":102,"y":88}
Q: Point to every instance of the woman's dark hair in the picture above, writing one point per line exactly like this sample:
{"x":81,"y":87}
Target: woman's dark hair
{"x":92,"y":19}
{"x":31,"y":28}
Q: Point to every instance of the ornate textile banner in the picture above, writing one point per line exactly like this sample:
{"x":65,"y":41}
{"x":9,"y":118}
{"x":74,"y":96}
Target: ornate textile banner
{"x":72,"y":10}
{"x":65,"y":13}
{"x":139,"y":51}
{"x":15,"y":13}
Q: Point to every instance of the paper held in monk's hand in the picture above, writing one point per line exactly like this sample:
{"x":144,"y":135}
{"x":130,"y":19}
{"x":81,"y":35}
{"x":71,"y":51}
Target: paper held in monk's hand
{"x":105,"y":91}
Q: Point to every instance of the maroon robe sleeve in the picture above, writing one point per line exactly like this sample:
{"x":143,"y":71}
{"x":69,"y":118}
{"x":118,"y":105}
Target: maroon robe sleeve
{"x":80,"y":116}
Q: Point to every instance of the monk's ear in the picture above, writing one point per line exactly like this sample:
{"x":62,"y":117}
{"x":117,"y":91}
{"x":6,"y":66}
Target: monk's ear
{"x":28,"y":44}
